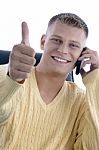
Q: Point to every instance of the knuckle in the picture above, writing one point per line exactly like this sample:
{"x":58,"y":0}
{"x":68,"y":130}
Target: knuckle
{"x":12,"y":56}
{"x":29,"y":69}
{"x":32,"y":52}
{"x":15,"y":47}
{"x":33,"y":61}
{"x":18,"y":48}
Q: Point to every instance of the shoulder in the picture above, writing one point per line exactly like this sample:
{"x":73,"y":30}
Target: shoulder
{"x":73,"y":87}
{"x":75,"y":93}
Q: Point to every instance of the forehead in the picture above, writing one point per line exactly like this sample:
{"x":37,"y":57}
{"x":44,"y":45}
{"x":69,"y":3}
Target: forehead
{"x":64,"y":31}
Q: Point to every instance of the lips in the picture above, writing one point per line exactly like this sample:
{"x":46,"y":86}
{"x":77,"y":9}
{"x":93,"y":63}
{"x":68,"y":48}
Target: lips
{"x":61,"y":60}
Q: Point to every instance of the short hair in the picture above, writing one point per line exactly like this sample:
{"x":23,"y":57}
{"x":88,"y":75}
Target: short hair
{"x":70,"y":19}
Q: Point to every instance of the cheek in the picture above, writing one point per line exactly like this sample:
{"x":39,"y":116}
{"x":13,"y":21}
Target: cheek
{"x":50,"y":47}
{"x":75,"y":56}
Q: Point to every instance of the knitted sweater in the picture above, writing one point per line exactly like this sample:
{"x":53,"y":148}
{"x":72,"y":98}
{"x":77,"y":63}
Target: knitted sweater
{"x":69,"y":122}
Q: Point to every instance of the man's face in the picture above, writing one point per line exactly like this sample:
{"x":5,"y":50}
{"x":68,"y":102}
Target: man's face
{"x":62,"y":46}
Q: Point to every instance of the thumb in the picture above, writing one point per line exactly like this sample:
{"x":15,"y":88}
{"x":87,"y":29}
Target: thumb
{"x":25,"y":34}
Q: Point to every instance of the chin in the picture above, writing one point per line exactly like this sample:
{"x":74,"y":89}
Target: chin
{"x":60,"y":72}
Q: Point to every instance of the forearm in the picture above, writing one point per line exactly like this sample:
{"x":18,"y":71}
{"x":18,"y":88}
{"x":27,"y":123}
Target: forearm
{"x":88,"y":128}
{"x":91,"y":131}
{"x":92,"y":91}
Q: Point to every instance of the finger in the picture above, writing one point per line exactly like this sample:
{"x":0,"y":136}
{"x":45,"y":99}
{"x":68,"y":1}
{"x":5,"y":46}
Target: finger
{"x":23,"y":67}
{"x":23,"y":49}
{"x":83,"y":73}
{"x":85,"y":63}
{"x":19,"y":75}
{"x":25,"y":34}
{"x":85,"y":56}
{"x":27,"y":60}
{"x":89,"y":51}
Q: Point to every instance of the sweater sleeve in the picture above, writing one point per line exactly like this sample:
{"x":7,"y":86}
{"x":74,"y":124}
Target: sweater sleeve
{"x":9,"y":91}
{"x":88,"y":130}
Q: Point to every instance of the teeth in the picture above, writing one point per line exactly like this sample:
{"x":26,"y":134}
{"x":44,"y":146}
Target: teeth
{"x":60,"y":59}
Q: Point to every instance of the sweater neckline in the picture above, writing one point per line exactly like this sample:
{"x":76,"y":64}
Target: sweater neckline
{"x":57,"y":98}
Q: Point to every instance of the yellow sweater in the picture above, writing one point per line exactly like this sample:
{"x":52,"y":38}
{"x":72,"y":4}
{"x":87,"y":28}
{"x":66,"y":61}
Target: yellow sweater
{"x":69,"y":122}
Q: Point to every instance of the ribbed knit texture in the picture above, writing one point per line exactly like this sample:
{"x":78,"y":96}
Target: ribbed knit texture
{"x":27,"y":123}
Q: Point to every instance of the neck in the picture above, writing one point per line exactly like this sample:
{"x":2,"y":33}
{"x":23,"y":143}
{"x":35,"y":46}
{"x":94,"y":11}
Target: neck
{"x":48,"y":85}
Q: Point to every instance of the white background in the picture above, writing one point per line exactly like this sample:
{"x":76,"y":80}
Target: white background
{"x":37,"y":14}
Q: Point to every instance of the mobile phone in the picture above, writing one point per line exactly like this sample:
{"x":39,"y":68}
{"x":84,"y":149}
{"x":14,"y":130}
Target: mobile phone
{"x":78,"y":63}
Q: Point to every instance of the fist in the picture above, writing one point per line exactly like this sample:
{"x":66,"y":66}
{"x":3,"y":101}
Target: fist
{"x":22,"y":57}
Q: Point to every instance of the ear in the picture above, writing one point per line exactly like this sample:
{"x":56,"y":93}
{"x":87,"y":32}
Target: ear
{"x":42,"y":42}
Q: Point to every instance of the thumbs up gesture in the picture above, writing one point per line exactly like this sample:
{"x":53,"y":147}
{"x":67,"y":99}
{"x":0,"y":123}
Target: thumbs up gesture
{"x":22,"y":57}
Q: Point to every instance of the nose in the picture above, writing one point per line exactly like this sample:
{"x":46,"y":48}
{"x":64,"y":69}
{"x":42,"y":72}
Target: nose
{"x":64,"y":48}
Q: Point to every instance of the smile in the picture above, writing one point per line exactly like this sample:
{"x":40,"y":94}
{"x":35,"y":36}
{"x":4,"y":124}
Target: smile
{"x":60,"y":59}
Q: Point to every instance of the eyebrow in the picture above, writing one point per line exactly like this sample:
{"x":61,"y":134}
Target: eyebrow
{"x":57,"y":36}
{"x":70,"y":40}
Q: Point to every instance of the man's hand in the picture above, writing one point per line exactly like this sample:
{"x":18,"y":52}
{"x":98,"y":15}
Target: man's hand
{"x":22,"y":57}
{"x":92,"y":59}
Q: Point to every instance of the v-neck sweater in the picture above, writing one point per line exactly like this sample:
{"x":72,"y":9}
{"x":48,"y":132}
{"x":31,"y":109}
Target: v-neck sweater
{"x":69,"y":122}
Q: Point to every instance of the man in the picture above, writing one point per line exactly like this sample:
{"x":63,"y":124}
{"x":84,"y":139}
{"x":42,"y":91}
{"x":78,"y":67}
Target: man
{"x":39,"y":110}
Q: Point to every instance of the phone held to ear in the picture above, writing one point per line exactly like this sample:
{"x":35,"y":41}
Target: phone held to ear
{"x":78,"y":64}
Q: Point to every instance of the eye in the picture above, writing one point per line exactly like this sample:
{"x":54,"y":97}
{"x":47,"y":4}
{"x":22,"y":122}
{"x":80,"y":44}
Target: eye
{"x":72,"y":45}
{"x":56,"y":41}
